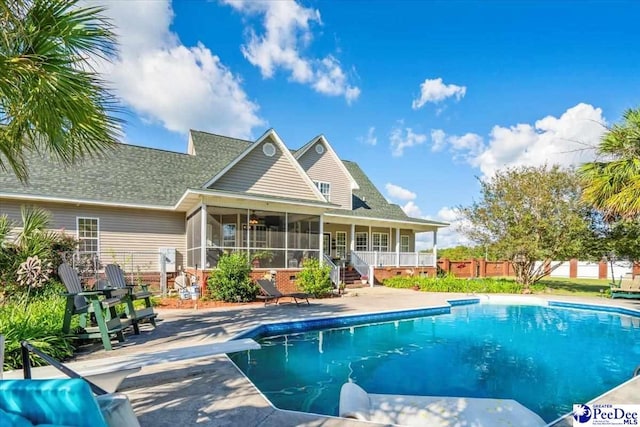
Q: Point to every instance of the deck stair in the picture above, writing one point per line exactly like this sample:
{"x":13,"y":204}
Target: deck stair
{"x":350,"y":276}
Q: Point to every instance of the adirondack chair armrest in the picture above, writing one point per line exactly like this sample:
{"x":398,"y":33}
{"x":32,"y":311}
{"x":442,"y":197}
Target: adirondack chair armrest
{"x":84,"y":294}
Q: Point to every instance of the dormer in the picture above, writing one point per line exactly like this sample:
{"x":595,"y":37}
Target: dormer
{"x":326,"y":170}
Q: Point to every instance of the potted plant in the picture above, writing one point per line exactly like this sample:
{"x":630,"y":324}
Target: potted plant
{"x":364,"y":279}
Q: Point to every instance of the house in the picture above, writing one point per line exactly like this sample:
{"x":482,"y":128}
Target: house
{"x":225,"y":194}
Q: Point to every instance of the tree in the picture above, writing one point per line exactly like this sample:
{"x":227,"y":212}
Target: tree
{"x":612,"y":184}
{"x":529,"y":214}
{"x":51,"y":100}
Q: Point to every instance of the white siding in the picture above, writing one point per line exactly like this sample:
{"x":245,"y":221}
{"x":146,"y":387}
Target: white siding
{"x":259,"y":174}
{"x":137,"y":232}
{"x":323,"y":167}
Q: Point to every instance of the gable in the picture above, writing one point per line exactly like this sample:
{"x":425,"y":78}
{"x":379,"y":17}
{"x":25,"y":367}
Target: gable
{"x":259,"y":173}
{"x":321,"y":165}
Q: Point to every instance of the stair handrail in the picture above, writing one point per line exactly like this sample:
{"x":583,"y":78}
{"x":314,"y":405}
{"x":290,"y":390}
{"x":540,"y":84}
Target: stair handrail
{"x":335,"y":270}
{"x":361,"y":266}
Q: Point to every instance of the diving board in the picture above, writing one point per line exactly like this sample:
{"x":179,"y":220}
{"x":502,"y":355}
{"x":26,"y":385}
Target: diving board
{"x":109,"y":372}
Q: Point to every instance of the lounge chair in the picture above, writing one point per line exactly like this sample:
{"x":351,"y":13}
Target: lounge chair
{"x":433,"y":411}
{"x":116,"y":279}
{"x":63,"y":402}
{"x":629,"y":288}
{"x":100,"y":304}
{"x":271,"y":293}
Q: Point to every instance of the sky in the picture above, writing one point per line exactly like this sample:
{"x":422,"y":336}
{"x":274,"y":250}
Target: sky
{"x":428,"y":97}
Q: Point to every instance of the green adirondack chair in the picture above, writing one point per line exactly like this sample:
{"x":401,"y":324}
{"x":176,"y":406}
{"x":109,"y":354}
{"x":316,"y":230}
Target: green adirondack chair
{"x":99,"y":303}
{"x":116,"y":279}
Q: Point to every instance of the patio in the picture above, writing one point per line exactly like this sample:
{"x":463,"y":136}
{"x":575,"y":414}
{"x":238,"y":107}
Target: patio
{"x":212,"y":392}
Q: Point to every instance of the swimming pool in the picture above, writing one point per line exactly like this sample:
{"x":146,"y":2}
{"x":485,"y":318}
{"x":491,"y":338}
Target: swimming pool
{"x":546,"y":358}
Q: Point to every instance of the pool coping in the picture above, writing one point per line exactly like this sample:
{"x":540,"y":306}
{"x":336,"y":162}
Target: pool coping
{"x":330,"y":322}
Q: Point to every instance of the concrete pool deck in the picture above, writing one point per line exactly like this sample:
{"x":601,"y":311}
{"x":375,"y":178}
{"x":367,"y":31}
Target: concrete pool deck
{"x":213,"y":392}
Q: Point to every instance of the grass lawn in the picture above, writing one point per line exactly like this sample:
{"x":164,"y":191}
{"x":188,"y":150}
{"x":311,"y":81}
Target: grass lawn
{"x":578,"y":287}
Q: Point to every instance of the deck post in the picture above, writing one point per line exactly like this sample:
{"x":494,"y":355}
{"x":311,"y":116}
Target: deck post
{"x":398,"y":247}
{"x":352,"y":243}
{"x":321,"y":255}
{"x":203,"y":235}
{"x":435,"y":247}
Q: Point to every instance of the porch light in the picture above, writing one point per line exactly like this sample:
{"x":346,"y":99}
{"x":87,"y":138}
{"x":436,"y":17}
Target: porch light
{"x":253,"y":220}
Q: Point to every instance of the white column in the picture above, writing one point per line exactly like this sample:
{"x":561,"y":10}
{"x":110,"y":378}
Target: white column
{"x":286,"y":240}
{"x":369,"y":240}
{"x":321,"y":256}
{"x":203,"y":236}
{"x":435,"y":247}
{"x":248,"y":233}
{"x":398,"y":247}
{"x":352,"y":244}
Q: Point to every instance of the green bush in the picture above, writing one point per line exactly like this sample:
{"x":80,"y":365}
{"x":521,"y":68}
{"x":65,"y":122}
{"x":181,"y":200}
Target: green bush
{"x":450,"y":283}
{"x":40,"y":323}
{"x":28,"y":260}
{"x":315,"y":279}
{"x":230,"y":282}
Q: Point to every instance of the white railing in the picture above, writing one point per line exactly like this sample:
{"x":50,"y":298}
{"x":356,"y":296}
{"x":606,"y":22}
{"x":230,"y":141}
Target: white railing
{"x":390,"y":259}
{"x":335,"y":270}
{"x":360,"y":263}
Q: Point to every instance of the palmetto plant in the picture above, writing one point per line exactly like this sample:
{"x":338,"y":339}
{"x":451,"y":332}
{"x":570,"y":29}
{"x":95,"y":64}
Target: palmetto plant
{"x":612,"y":183}
{"x":33,"y":246}
{"x":51,"y":100}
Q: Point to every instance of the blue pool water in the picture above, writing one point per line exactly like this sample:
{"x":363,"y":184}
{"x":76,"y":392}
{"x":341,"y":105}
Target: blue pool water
{"x":545,"y":358}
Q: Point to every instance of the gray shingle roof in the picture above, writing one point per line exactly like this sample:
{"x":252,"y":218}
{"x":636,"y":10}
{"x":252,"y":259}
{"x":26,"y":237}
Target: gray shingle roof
{"x":138,"y":175}
{"x":129,"y":173}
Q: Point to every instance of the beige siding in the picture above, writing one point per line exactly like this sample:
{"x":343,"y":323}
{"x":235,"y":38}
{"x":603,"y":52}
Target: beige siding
{"x":258,"y":174}
{"x":126,"y":236}
{"x":323,"y":167}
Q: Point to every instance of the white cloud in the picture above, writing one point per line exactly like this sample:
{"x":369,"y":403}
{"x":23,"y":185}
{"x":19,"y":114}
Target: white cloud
{"x":287,"y":32}
{"x":370,"y":138}
{"x":404,"y":137}
{"x":567,"y":140}
{"x":434,"y":91}
{"x":397,"y":192}
{"x":465,"y":147}
{"x":167,"y":82}
{"x":449,"y":236}
{"x":411,"y":209}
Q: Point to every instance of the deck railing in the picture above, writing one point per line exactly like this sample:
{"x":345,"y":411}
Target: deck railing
{"x":393,"y":259}
{"x":335,"y":270}
{"x":360,"y":263}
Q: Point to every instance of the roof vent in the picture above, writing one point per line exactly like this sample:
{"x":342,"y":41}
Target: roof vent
{"x":269,"y":149}
{"x":319,"y":148}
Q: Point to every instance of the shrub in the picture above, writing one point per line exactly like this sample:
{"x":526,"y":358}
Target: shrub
{"x":40,"y":323}
{"x":450,"y":283}
{"x":230,"y":281}
{"x":315,"y":279}
{"x":27,"y":261}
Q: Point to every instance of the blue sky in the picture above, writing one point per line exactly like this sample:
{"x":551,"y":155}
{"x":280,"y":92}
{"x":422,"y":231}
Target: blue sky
{"x":425,"y":96}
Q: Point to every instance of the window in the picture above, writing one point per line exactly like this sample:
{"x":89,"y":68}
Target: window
{"x":326,"y":244}
{"x":229,"y":235}
{"x":362,"y":241}
{"x":325,"y":189}
{"x":88,"y":232}
{"x":341,"y":244}
{"x":404,"y":243}
{"x":380,"y":242}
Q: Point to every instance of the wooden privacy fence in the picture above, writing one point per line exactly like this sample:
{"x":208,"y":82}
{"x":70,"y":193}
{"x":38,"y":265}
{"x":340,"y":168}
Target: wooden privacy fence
{"x":569,"y":269}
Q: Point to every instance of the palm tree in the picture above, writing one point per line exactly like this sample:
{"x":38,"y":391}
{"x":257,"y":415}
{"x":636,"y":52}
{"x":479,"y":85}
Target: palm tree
{"x":612,"y":184}
{"x":51,"y":99}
